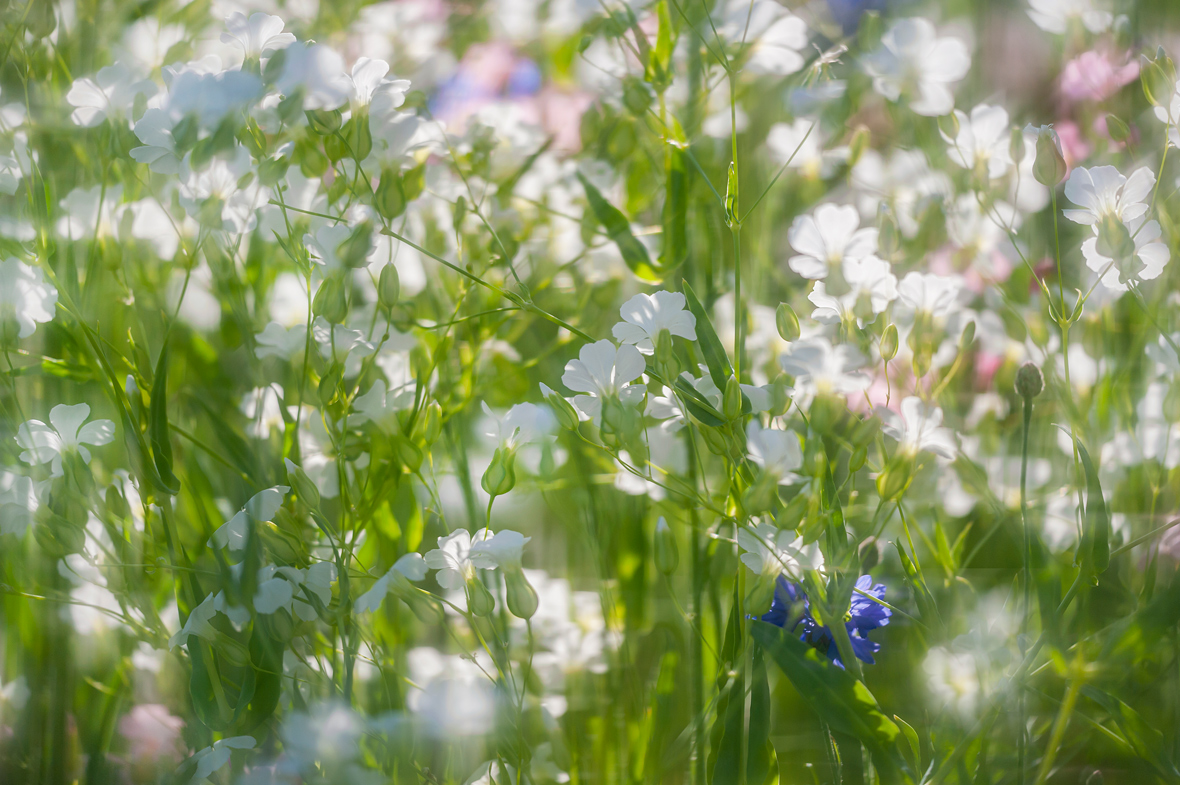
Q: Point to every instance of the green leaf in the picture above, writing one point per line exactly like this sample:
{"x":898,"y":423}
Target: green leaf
{"x":911,"y":737}
{"x":618,"y":228}
{"x":715,"y":356}
{"x":843,"y":702}
{"x":698,"y":406}
{"x":675,"y":216}
{"x":1095,"y":547}
{"x":158,"y":427}
{"x":1147,"y":742}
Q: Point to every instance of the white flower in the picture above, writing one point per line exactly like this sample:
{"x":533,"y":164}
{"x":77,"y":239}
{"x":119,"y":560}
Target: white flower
{"x":213,"y":195}
{"x":819,"y":367}
{"x":263,"y":406}
{"x":197,"y":623}
{"x":1147,"y":262}
{"x":262,"y":508}
{"x":645,"y":315}
{"x":456,"y":558}
{"x":409,"y":567}
{"x":919,"y":427}
{"x":210,"y":96}
{"x":983,"y":140}
{"x":380,"y":405}
{"x":289,"y":588}
{"x":504,"y":548}
{"x":158,"y":151}
{"x":770,"y":551}
{"x":278,"y":341}
{"x":336,"y":341}
{"x":871,"y":287}
{"x":20,"y":497}
{"x":257,"y":35}
{"x":777,"y":452}
{"x":318,"y":71}
{"x":43,"y":443}
{"x":929,"y":293}
{"x":799,"y":145}
{"x":322,"y":246}
{"x":601,"y":370}
{"x":773,"y":37}
{"x":213,"y":758}
{"x":109,"y":94}
{"x":524,"y":423}
{"x":371,"y":87}
{"x":828,"y":237}
{"x":1053,"y":16}
{"x":913,"y":60}
{"x":25,"y":295}
{"x":146,"y":43}
{"x":1103,"y":191}
{"x":953,"y":678}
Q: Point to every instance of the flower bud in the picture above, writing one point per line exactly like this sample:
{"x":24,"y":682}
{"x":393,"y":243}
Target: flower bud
{"x":948,"y":126}
{"x":857,"y":461}
{"x":1049,"y":166}
{"x":432,"y":423}
{"x":889,"y":343}
{"x":732,"y":400}
{"x":521,"y":596}
{"x":330,"y":302}
{"x":409,"y":453}
{"x":888,"y":233}
{"x":117,"y":504}
{"x":329,"y":385}
{"x":896,"y":477}
{"x":870,"y":553}
{"x":479,"y":600}
{"x":500,"y":477}
{"x":1117,"y":129}
{"x":731,"y":194}
{"x":1158,"y":77}
{"x":762,"y":495}
{"x":563,"y":410}
{"x":324,"y":121}
{"x":968,"y":337}
{"x":304,"y":488}
{"x":667,"y":555}
{"x":921,"y":364}
{"x":388,"y":287}
{"x":787,"y":323}
{"x":354,"y":251}
{"x":1029,"y":381}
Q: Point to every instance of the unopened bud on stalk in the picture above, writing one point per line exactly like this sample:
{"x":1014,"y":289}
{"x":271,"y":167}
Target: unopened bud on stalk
{"x":563,"y":410}
{"x":521,"y":596}
{"x":1016,"y":146}
{"x":895,"y":478}
{"x":667,"y":555}
{"x":732,"y":403}
{"x":1158,"y":76}
{"x":1049,"y":166}
{"x":889,"y":343}
{"x":388,"y":287}
{"x":305,"y":489}
{"x":500,"y":477}
{"x":329,"y":301}
{"x":432,"y":423}
{"x":787,"y":323}
{"x":1029,"y":381}
{"x":479,"y":600}
{"x":857,"y":461}
{"x":1114,"y":241}
{"x":330,"y":384}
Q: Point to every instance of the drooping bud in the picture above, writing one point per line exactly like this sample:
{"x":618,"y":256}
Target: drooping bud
{"x":1158,"y":77}
{"x":667,"y":555}
{"x":324,"y":121}
{"x":479,"y":600}
{"x":500,"y":476}
{"x":895,"y":478}
{"x":889,"y":343}
{"x":521,"y":596}
{"x":563,"y":410}
{"x":1029,"y":381}
{"x":787,"y":322}
{"x":732,"y":400}
{"x":1049,"y":166}
{"x":330,"y":302}
{"x":304,"y":488}
{"x":389,"y":287}
{"x":857,"y":461}
{"x":432,"y":423}
{"x":329,"y":386}
{"x":354,"y":251}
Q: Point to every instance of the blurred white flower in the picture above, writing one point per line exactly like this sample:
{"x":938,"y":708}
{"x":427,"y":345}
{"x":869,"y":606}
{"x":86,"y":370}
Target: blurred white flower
{"x":411,"y":566}
{"x":45,"y":444}
{"x":20,"y":497}
{"x":1053,"y":16}
{"x":917,"y":428}
{"x":983,"y":141}
{"x":371,"y":87}
{"x":602,"y":371}
{"x":25,"y":296}
{"x":818,"y":367}
{"x":217,"y":196}
{"x":214,"y":757}
{"x":290,"y":588}
{"x":381,"y":405}
{"x":504,"y":549}
{"x":871,"y":286}
{"x":770,"y":551}
{"x":929,"y":293}
{"x":1147,"y":261}
{"x":146,"y":43}
{"x":259,"y":34}
{"x":263,"y":406}
{"x":827,"y":238}
{"x":645,"y":315}
{"x":1102,"y":191}
{"x":777,"y":452}
{"x":773,"y":37}
{"x":915,"y":62}
{"x":456,"y":558}
{"x":109,"y":94}
{"x":953,"y":680}
{"x":261,"y":508}
{"x":317,"y":71}
{"x":524,"y":423}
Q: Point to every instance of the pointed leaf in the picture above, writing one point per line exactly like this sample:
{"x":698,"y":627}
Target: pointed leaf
{"x":618,"y":228}
{"x":715,"y":356}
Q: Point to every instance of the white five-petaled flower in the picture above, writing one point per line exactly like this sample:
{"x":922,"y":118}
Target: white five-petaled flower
{"x":773,"y":37}
{"x":318,"y":71}
{"x":197,"y":623}
{"x":917,"y":428}
{"x":262,"y":508}
{"x":929,"y":293}
{"x":25,"y":296}
{"x":45,"y":444}
{"x":456,"y":558}
{"x":1053,"y":16}
{"x":108,"y":94}
{"x":504,"y":549}
{"x":818,"y":367}
{"x":524,"y":423}
{"x":410,"y":567}
{"x":871,"y":287}
{"x":829,"y":236}
{"x":770,"y":551}
{"x":1147,"y":262}
{"x":291,"y":589}
{"x":645,"y":315}
{"x":380,"y":405}
{"x":370,"y":86}
{"x":983,"y":140}
{"x":256,"y":35}
{"x":1103,"y":191}
{"x":777,"y":452}
{"x":602,"y":371}
{"x":913,"y":60}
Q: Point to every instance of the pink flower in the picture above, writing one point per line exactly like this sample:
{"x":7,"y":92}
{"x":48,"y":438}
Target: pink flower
{"x":1092,"y":76}
{"x":561,"y":115}
{"x":986,"y":366}
{"x":1073,"y":146}
{"x":153,"y":736}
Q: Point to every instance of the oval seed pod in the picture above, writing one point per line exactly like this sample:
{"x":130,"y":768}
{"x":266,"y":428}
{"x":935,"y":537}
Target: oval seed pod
{"x":787,"y":322}
{"x":889,"y":343}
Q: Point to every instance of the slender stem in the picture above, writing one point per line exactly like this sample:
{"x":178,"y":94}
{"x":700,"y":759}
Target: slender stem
{"x":1021,"y":751}
{"x":1059,"y":728}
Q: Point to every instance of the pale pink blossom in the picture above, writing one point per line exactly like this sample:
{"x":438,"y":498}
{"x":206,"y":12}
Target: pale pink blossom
{"x":1094,"y":76}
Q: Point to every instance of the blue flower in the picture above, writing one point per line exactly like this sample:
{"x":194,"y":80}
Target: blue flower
{"x":791,"y":610}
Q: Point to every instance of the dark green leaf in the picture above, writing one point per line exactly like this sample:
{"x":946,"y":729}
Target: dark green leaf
{"x":715,"y":356}
{"x":618,"y":228}
{"x":158,"y":426}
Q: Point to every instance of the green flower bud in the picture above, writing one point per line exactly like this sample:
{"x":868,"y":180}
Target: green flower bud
{"x":409,"y":453}
{"x":896,"y":477}
{"x":354,"y":251}
{"x":857,"y":461}
{"x":762,"y":495}
{"x":1114,"y":241}
{"x":1029,"y":381}
{"x":479,"y":600}
{"x":304,"y":488}
{"x":1117,"y":129}
{"x":664,"y":347}
{"x":329,"y":386}
{"x":388,"y":287}
{"x":563,"y":410}
{"x":1049,"y":166}
{"x":432,"y":423}
{"x":968,"y":337}
{"x":870,"y":554}
{"x":324,"y":121}
{"x":389,"y":200}
{"x":732,"y":401}
{"x":889,"y":343}
{"x":1016,"y":146}
{"x":117,"y":505}
{"x":329,"y":301}
{"x":921,"y":364}
{"x":500,"y":477}
{"x":888,"y":233}
{"x":1158,"y":77}
{"x":667,"y":555}
{"x":787,"y":323}
{"x":521,"y":596}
